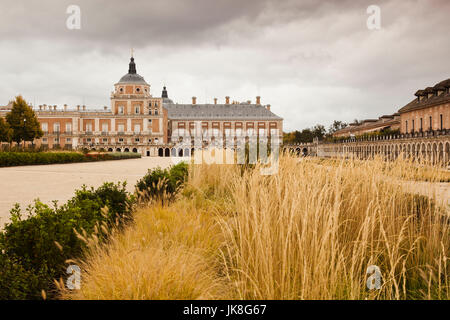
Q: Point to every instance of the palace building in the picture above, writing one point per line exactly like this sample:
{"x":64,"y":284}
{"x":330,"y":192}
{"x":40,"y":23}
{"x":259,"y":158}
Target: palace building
{"x":428,"y":112}
{"x":138,"y":121}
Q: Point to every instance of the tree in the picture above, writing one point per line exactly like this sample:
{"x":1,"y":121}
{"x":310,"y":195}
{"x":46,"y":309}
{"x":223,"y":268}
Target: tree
{"x":318,"y":131}
{"x":23,"y":122}
{"x":5,"y":131}
{"x":336,"y":126}
{"x":306,"y":135}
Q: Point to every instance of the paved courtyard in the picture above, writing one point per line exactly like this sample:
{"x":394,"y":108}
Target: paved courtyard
{"x":59,"y":181}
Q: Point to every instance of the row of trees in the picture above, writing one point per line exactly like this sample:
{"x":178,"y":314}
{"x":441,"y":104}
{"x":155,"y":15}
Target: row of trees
{"x":21,"y":124}
{"x":308,"y":134}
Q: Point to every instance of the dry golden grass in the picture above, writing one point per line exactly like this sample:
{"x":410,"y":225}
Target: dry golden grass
{"x":308,"y":232}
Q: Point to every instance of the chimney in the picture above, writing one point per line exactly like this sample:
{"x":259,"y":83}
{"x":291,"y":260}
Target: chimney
{"x":84,"y":107}
{"x":194,"y":100}
{"x":258,"y":100}
{"x":78,"y":107}
{"x":54,"y":107}
{"x":215,"y":100}
{"x":105,"y":108}
{"x":268,"y":107}
{"x":65,"y":107}
{"x":227,"y":100}
{"x":40,"y":107}
{"x":45,"y":106}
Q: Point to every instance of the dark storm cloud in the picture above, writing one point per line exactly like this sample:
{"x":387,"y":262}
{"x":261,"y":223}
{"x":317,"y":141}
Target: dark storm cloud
{"x":314,"y":61}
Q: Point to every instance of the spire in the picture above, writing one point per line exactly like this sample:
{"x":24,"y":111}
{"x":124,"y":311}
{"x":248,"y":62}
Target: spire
{"x":132,"y":66}
{"x":164,"y":93}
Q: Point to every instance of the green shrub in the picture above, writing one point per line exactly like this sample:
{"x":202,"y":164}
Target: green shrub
{"x":8,"y":159}
{"x":31,"y":259}
{"x":162,"y":183}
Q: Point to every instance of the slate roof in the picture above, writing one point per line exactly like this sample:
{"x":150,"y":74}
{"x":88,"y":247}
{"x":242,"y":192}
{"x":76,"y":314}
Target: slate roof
{"x":431,"y":101}
{"x":219,"y":112}
{"x":132,"y":78}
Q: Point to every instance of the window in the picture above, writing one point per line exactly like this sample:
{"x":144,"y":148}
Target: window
{"x":137,"y":128}
{"x":120,"y":139}
{"x":137,"y":109}
{"x":120,"y":111}
{"x":44,"y":140}
{"x":441,"y":120}
{"x":56,"y":140}
{"x":56,"y":127}
{"x":44,"y":126}
{"x":88,"y":127}
{"x":149,"y":140}
{"x":421,"y":124}
{"x":121,"y":128}
{"x":156,"y":112}
{"x":137,"y":89}
{"x":412,"y":129}
{"x":105,"y":139}
{"x":68,"y":127}
{"x":68,"y":140}
{"x":88,"y":139}
{"x":406,"y":124}
{"x":150,"y":111}
{"x":431,"y":123}
{"x":137,"y":139}
{"x":121,"y":89}
{"x":156,"y":140}
{"x":104,"y":127}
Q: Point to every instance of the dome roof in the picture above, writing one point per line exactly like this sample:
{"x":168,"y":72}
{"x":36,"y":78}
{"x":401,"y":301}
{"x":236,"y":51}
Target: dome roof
{"x":132,"y":76}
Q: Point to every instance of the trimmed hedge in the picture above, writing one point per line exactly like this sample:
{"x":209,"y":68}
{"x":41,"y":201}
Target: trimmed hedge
{"x":30,"y":258}
{"x":8,"y":159}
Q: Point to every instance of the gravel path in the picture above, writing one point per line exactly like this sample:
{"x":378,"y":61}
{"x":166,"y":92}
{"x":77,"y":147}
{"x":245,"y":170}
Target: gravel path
{"x":59,"y":181}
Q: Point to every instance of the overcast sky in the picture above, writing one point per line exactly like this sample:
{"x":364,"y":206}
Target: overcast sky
{"x":313,"y":61}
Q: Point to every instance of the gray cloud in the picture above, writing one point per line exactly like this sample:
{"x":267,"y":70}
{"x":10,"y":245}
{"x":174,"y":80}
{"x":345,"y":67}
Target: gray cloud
{"x":312,"y":61}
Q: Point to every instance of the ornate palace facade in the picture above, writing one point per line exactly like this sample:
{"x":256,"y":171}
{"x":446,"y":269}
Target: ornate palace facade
{"x":137,"y":121}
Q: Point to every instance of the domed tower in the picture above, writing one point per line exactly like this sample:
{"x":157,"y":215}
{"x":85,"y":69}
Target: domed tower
{"x":131,"y":93}
{"x":132,"y":83}
{"x":135,"y":110}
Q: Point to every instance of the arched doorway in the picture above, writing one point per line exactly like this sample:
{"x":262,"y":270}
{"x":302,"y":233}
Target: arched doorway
{"x":148,"y":153}
{"x":135,"y":150}
{"x":180,"y":152}
{"x":118,"y":150}
{"x":167,"y":152}
{"x":160,"y":152}
{"x":126,"y":150}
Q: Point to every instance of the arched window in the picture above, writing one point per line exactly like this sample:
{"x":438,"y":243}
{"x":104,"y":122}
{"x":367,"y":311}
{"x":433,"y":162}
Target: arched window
{"x":156,"y":112}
